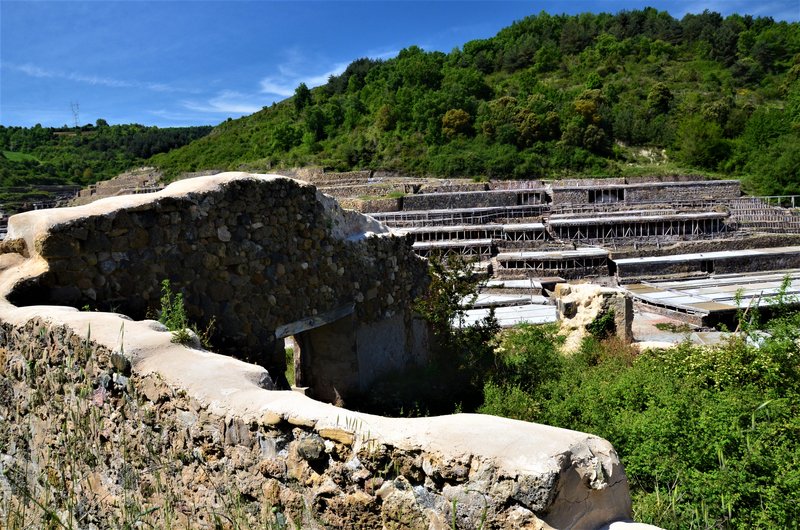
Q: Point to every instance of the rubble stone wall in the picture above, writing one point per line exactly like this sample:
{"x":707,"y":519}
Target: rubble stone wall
{"x":102,"y":441}
{"x":249,"y":253}
{"x":386,"y":204}
{"x":569,"y":195}
{"x":451,"y":187}
{"x":684,"y":191}
{"x":363,"y":190}
{"x":578,"y":193}
{"x":477,"y":199}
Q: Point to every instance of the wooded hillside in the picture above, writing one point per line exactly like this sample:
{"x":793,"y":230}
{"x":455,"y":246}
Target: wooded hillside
{"x":37,"y":156}
{"x":546,"y":97}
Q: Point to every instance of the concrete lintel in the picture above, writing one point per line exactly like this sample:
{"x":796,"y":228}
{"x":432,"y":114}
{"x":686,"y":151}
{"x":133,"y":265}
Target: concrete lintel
{"x":305,"y":324}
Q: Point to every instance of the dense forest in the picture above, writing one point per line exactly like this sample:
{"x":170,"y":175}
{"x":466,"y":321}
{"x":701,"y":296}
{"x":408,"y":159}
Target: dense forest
{"x":639,"y":91}
{"x":37,"y":156}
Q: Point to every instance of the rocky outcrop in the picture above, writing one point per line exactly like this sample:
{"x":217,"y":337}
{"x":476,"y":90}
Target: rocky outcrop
{"x":585,"y":308}
{"x":132,"y":427}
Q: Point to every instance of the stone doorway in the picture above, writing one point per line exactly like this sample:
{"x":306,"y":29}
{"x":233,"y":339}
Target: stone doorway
{"x":324,"y":354}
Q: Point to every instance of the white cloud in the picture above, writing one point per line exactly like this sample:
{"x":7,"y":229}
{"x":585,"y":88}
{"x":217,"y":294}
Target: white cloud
{"x":285,"y":85}
{"x":295,"y":69}
{"x":384,"y":55}
{"x":42,"y":73}
{"x":169,"y":118}
{"x":271,"y":85}
{"x":226,"y":102}
{"x":298,"y":68}
{"x":29,"y":69}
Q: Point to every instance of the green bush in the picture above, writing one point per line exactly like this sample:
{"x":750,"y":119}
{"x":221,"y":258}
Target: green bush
{"x":603,"y":326}
{"x":710,"y":437}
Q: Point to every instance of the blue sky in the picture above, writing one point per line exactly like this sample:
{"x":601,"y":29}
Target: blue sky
{"x":175,"y":63}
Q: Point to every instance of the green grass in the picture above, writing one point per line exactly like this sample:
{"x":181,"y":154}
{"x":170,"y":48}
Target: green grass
{"x":173,"y":315}
{"x":19,"y":157}
{"x":674,"y":328}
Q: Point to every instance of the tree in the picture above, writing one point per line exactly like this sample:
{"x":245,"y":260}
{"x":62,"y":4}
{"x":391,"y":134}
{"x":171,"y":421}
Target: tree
{"x":453,"y":286}
{"x":302,"y":97}
{"x":700,"y":143}
{"x":315,"y":122}
{"x":456,"y":122}
{"x":385,"y":118}
{"x":588,"y":105}
{"x":659,"y":98}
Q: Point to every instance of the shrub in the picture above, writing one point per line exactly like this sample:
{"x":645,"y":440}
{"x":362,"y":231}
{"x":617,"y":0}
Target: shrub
{"x":709,"y":437}
{"x":603,"y":326}
{"x":173,"y":315}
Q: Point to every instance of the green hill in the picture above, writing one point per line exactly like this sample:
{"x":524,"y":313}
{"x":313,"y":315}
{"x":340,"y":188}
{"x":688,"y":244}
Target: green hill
{"x":549,"y":96}
{"x":44,"y":156}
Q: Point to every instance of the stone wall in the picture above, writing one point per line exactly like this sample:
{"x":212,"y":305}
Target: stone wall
{"x":378,"y":205}
{"x":666,"y":192}
{"x":467,"y":199}
{"x":320,"y":177}
{"x":141,"y":179}
{"x":517,"y":185}
{"x":112,"y":429}
{"x":718,"y":262}
{"x":569,"y":195}
{"x":741,"y":241}
{"x":665,"y":178}
{"x":451,"y":187}
{"x":587,"y":182}
{"x":363,"y":190}
{"x":683,"y":191}
{"x":249,"y":253}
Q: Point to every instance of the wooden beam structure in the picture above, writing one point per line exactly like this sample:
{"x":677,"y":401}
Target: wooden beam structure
{"x":305,"y":324}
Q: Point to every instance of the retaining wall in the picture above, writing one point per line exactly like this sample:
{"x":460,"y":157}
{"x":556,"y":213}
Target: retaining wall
{"x":466,"y":199}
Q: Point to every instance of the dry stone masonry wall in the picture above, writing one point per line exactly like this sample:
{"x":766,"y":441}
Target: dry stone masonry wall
{"x":249,"y":253}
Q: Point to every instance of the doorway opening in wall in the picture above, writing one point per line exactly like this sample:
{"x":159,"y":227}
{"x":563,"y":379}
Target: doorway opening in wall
{"x":319,"y":354}
{"x":707,"y":266}
{"x":298,"y":350}
{"x":291,"y":352}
